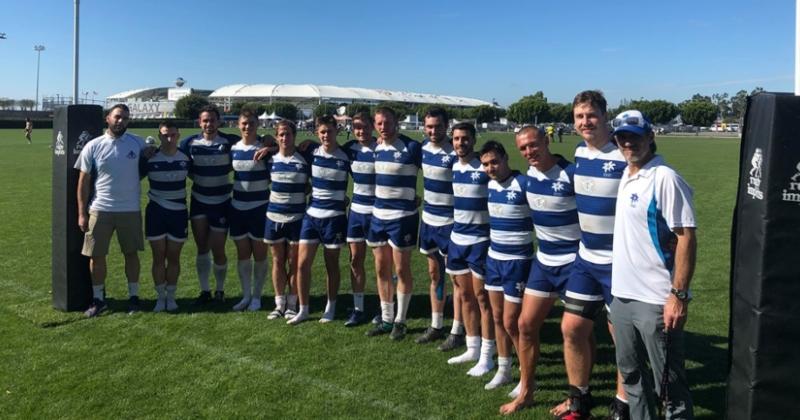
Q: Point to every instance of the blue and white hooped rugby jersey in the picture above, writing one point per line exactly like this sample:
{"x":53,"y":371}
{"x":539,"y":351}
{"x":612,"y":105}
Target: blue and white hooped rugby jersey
{"x":250,"y":178}
{"x":362,"y":167}
{"x":510,"y":225}
{"x":289,"y":176}
{"x":211,"y":164}
{"x":328,"y":182}
{"x":551,"y":197}
{"x":597,"y":175}
{"x":167,"y":178}
{"x":396,"y":168}
{"x":470,"y":209}
{"x":437,"y":179}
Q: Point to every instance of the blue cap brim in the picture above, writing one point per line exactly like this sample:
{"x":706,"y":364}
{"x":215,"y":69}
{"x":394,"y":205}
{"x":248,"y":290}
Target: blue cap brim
{"x":631,"y":129}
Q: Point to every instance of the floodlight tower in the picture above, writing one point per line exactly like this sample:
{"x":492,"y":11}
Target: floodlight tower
{"x":38,"y":49}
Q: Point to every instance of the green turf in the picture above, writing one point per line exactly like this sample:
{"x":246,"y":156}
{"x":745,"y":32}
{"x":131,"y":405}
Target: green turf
{"x":222,"y":364}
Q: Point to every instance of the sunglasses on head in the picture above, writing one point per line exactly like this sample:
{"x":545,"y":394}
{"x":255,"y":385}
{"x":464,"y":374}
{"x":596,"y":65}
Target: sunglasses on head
{"x":619,"y":122}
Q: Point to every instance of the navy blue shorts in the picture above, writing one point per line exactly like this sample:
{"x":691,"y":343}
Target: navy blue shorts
{"x":548,"y":281}
{"x":398,"y":233}
{"x":462,"y":259}
{"x":277,"y":232}
{"x":589,"y":282}
{"x":358,"y":227}
{"x":162,"y":223}
{"x":248,"y":223}
{"x":329,"y":230}
{"x":507,"y":276}
{"x":434,"y":238}
{"x":216,"y":214}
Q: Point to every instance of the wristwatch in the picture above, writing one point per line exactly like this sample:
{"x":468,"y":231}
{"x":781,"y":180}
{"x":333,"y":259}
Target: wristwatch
{"x":682,"y":295}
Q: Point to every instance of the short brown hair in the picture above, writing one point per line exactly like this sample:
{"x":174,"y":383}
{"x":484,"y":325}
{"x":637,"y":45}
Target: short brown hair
{"x":286,"y":123}
{"x":120,"y":106}
{"x":167,"y":124}
{"x":531,"y":129}
{"x":594,"y":98}
{"x":326,"y":120}
{"x":365,"y":117}
{"x":465,"y":126}
{"x":386,"y":111}
{"x":209,"y":108}
{"x":248,"y":113}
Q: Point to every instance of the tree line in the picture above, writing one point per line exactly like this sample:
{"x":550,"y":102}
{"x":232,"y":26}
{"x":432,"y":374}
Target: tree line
{"x":7,"y":104}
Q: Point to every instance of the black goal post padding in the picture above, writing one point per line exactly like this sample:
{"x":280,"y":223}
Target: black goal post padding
{"x":73,"y":127}
{"x":764,"y":339}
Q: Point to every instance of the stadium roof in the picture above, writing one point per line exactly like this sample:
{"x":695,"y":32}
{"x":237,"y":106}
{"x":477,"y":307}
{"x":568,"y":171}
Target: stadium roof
{"x":139,"y":93}
{"x":335,"y":93}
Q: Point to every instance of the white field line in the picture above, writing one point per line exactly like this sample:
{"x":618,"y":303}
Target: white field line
{"x":232,"y":357}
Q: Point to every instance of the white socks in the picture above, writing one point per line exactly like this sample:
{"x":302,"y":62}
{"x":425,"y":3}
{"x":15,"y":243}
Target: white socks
{"x":97,"y":291}
{"x":291,"y":303}
{"x":245,"y":269}
{"x":437,"y":320}
{"x":301,"y":316}
{"x":259,"y":277}
{"x":403,"y":300}
{"x":457,"y":328}
{"x":133,"y":289}
{"x":387,"y":312}
{"x":330,"y":311}
{"x":172,"y":306}
{"x":472,"y":354}
{"x":203,"y":263}
{"x":358,"y":302}
{"x":161,"y":301}
{"x":219,"y":274}
{"x":486,"y":361}
{"x":503,"y":375}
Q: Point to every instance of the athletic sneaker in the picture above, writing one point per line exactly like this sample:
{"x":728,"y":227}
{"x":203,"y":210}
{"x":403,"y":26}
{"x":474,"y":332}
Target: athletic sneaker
{"x":219,"y":296}
{"x":203,"y":299}
{"x":289,"y":313}
{"x":275,"y":314}
{"x":356,"y":318}
{"x":619,"y":410}
{"x":377,"y":319}
{"x":383,"y":328}
{"x":161,"y":304}
{"x":398,"y":331}
{"x":431,"y":334}
{"x":453,"y":342}
{"x":133,"y":304}
{"x":580,"y":405}
{"x":95,"y":308}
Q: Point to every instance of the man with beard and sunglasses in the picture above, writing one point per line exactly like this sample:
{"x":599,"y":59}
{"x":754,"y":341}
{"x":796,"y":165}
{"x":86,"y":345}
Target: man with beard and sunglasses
{"x":109,"y":164}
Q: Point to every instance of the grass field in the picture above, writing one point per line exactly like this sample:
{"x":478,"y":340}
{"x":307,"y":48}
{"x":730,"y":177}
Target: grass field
{"x":221,"y":364}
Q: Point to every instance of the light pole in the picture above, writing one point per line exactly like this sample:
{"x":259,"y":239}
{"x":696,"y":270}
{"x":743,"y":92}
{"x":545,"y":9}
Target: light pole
{"x":38,"y":49}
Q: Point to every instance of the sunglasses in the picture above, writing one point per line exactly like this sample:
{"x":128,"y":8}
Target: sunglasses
{"x":620,"y":122}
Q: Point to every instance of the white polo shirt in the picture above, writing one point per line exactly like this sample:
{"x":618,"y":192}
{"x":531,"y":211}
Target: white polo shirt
{"x":114,"y":167}
{"x":649,"y":205}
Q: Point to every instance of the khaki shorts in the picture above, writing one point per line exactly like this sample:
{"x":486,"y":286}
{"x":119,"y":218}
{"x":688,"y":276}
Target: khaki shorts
{"x":102,"y":224}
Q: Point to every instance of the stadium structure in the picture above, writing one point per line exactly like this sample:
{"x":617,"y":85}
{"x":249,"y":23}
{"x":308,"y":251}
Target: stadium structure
{"x":160,"y":102}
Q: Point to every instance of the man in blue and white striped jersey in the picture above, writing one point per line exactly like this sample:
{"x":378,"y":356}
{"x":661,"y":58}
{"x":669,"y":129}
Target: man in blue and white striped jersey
{"x":395,"y":220}
{"x":166,"y":217}
{"x":247,"y":213}
{"x":466,"y":257}
{"x":289,"y":171}
{"x":325,"y":220}
{"x":438,"y":158}
{"x":361,"y":151}
{"x":510,"y":252}
{"x":211,"y":197}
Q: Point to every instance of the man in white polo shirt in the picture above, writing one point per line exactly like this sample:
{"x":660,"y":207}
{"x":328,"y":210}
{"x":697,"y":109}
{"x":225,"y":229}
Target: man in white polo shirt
{"x":654,"y":258}
{"x":110,"y":163}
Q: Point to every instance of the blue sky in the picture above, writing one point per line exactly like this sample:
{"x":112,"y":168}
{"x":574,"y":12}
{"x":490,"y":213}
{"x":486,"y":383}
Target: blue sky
{"x":504,"y":50}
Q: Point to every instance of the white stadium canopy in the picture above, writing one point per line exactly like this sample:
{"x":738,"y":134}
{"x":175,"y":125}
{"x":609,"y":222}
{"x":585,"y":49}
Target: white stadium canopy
{"x":326,"y":93}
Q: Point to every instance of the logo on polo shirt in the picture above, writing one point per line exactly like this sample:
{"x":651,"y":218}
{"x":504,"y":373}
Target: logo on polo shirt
{"x":511,"y":195}
{"x":446,"y":159}
{"x":475,"y":176}
{"x":397,"y":156}
{"x":754,"y":185}
{"x":131,"y":155}
{"x":609,"y":167}
{"x":634,"y":199}
{"x":792,"y":194}
{"x":557,"y":186}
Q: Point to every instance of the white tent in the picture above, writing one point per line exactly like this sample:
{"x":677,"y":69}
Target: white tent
{"x":272,"y":116}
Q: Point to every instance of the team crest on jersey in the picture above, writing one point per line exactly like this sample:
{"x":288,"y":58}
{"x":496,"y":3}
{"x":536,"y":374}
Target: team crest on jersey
{"x":754,"y":186}
{"x":221,"y":148}
{"x":397,"y":156}
{"x":475,"y":176}
{"x":588,"y":185}
{"x":792,"y":194}
{"x":557,"y":187}
{"x":446,"y":159}
{"x":538,"y":202}
{"x":609,"y":167}
{"x":634,"y":199}
{"x":182,"y":164}
{"x":131,"y":155}
{"x":520,"y":286}
{"x":59,"y":149}
{"x":83,"y":138}
{"x":299,"y":166}
{"x":511,"y":196}
{"x":340,"y":163}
